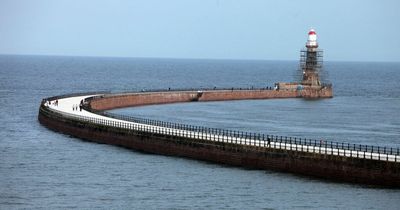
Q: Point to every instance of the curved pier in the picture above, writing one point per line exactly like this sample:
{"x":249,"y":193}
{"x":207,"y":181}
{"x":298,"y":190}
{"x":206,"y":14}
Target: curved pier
{"x":328,"y":160}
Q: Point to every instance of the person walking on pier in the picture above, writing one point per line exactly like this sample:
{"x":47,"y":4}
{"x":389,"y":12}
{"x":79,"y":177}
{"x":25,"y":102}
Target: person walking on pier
{"x":269,"y":142}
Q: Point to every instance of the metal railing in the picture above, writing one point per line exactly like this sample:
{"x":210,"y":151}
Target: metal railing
{"x":258,"y":136}
{"x":200,"y":89}
{"x":207,"y":89}
{"x":235,"y":138}
{"x":74,"y":95}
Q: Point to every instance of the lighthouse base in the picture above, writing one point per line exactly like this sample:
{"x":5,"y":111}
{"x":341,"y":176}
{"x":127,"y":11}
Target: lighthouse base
{"x":307,"y":91}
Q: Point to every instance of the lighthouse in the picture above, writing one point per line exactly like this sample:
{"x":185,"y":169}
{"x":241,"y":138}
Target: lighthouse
{"x":311,"y":61}
{"x":311,"y":81}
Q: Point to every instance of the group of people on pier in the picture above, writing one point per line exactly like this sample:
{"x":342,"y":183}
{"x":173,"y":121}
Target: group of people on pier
{"x":48,"y":103}
{"x":75,"y":107}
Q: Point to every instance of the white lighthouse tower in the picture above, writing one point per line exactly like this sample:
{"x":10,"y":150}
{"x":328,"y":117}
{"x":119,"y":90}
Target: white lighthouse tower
{"x":311,"y":61}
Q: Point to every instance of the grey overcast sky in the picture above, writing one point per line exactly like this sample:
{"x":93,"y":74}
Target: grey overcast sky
{"x":358,"y":30}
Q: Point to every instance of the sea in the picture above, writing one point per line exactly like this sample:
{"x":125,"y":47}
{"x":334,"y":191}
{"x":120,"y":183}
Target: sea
{"x":43,"y":169}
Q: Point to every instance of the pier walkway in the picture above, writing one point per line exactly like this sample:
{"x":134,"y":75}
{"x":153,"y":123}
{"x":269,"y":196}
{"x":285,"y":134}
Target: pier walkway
{"x":65,"y":108}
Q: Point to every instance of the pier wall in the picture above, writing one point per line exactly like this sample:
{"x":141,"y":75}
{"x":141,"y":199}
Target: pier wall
{"x":338,"y":168}
{"x":148,"y":98}
{"x":325,"y":92}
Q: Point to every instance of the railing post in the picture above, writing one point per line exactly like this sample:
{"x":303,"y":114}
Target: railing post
{"x":263,"y":140}
{"x":306,"y":145}
{"x":371,"y":153}
{"x":320,"y":145}
{"x":236,"y":139}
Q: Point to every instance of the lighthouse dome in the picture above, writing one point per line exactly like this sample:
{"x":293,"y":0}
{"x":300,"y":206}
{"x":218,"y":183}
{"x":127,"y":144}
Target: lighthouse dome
{"x":312,"y":39}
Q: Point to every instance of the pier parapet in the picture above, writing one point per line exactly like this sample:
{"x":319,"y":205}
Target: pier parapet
{"x":323,"y":159}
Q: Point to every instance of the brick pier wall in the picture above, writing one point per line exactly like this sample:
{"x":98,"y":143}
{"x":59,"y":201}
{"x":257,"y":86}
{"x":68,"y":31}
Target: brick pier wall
{"x":139,"y":99}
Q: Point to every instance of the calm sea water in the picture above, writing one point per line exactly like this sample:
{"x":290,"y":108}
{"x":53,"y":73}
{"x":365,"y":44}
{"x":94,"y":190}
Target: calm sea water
{"x":43,"y":169}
